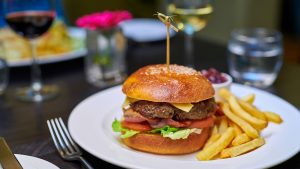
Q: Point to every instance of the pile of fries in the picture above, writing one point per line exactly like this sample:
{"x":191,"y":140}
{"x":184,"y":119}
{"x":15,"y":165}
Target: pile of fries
{"x":56,"y":41}
{"x":238,"y":130}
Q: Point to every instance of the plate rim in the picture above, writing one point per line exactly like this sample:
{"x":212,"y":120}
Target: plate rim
{"x":124,"y":164}
{"x":33,"y":158}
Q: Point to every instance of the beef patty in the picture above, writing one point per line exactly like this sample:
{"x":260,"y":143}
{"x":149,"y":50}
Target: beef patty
{"x":163,"y":110}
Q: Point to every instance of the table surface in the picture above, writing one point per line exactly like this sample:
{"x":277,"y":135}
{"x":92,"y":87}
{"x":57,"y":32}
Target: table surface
{"x":24,"y":124}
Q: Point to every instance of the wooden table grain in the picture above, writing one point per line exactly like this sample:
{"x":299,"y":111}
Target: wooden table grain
{"x":24,"y":124}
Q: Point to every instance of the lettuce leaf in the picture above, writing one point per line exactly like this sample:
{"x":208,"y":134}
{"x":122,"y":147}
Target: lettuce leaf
{"x":166,"y":131}
{"x":129,"y":133}
{"x":181,"y":134}
{"x":116,"y":126}
{"x":174,"y":133}
{"x":125,"y":133}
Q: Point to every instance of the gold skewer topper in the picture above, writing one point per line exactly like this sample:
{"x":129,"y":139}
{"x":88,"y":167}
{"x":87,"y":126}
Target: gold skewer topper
{"x":167,"y":20}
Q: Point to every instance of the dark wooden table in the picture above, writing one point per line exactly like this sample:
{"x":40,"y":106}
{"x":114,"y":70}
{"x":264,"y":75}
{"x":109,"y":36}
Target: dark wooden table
{"x":24,"y":124}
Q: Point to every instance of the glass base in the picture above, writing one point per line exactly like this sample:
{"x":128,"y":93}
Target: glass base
{"x":27,"y":94}
{"x":106,"y":80}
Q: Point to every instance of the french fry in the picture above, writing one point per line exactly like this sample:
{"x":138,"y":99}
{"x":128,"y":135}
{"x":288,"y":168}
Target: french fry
{"x":236,"y":108}
{"x":245,"y":126}
{"x":214,"y":130}
{"x":240,"y":139}
{"x":237,"y":129}
{"x":223,"y":124}
{"x":216,"y":157}
{"x":216,"y":147}
{"x":225,"y":93}
{"x":252,"y":110}
{"x":212,"y":139}
{"x":249,"y":98}
{"x":273,"y":117}
{"x":243,"y":148}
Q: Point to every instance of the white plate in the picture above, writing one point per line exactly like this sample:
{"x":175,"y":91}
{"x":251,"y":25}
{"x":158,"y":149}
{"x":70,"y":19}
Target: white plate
{"x":29,"y":162}
{"x":90,"y":126}
{"x":145,"y":30}
{"x":74,"y":32}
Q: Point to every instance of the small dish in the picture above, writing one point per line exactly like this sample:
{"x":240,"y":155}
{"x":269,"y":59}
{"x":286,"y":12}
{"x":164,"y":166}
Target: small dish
{"x":218,"y":79}
{"x":218,"y":86}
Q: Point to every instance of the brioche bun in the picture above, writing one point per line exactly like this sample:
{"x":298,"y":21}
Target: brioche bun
{"x":173,"y":84}
{"x":155,"y":143}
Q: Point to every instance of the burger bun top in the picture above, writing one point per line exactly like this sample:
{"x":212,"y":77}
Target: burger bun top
{"x":172,"y":84}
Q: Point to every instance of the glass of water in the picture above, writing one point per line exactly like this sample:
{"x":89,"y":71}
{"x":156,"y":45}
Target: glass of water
{"x":255,"y":56}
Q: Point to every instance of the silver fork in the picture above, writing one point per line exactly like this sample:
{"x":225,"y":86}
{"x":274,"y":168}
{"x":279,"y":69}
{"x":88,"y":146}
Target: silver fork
{"x":63,"y":142}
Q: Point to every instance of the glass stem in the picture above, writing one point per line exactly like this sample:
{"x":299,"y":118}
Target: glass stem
{"x":36,"y":76}
{"x":189,"y":49}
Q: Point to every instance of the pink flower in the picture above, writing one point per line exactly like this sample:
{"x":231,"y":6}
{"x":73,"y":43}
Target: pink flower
{"x":103,"y":20}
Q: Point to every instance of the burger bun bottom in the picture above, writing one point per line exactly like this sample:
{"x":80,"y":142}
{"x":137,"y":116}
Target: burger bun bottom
{"x":155,"y":143}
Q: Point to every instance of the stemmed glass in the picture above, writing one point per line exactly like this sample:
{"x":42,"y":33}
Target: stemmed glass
{"x":191,"y":16}
{"x":31,"y":19}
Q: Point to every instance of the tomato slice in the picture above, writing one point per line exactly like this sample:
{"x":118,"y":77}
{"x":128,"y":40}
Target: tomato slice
{"x":136,"y":126}
{"x":208,"y":122}
{"x":144,"y":126}
{"x":178,"y":124}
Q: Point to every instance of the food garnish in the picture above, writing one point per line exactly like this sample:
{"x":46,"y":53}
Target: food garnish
{"x":214,"y":76}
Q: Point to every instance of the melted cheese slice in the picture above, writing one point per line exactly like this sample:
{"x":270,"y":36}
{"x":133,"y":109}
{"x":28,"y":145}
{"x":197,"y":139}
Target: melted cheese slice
{"x":127,"y":102}
{"x":182,"y":106}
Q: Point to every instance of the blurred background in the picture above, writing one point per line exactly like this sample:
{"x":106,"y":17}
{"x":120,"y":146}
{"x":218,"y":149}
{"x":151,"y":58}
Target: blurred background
{"x":228,"y":14}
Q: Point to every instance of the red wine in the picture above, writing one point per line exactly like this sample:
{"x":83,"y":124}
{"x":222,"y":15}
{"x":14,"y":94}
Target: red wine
{"x":30,"y":24}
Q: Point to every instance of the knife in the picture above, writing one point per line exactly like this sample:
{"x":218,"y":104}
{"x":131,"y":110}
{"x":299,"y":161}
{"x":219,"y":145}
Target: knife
{"x":7,"y":158}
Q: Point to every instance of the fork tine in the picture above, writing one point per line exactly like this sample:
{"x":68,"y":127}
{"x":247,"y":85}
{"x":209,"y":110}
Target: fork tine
{"x":63,"y":135}
{"x":68,"y":134}
{"x":53,"y":136}
{"x":61,"y":143}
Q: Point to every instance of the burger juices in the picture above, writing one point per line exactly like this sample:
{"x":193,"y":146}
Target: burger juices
{"x":168,"y":110}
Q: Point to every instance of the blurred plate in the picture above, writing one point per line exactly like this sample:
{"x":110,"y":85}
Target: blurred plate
{"x":29,"y":162}
{"x":74,"y":32}
{"x":90,"y":126}
{"x":145,"y":30}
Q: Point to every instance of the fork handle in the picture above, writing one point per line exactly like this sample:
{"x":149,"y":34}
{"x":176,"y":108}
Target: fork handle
{"x":85,"y":163}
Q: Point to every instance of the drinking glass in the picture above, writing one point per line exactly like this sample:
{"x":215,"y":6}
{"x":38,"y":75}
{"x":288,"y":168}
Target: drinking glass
{"x":191,"y":16}
{"x":255,"y":56}
{"x":105,"y":62}
{"x":31,"y":19}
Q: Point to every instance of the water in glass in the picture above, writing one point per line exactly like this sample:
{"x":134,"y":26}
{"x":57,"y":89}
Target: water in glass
{"x":255,"y":58}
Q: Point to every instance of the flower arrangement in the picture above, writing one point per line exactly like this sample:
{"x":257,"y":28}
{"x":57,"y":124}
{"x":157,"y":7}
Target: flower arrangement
{"x":105,"y":44}
{"x":103,"y":20}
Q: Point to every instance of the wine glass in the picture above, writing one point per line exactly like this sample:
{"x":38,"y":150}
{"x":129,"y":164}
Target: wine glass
{"x":31,"y":19}
{"x":191,"y":16}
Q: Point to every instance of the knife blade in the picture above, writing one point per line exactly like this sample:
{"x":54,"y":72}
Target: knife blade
{"x":7,"y":158}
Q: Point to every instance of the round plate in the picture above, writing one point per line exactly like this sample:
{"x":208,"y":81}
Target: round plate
{"x":74,"y":32}
{"x":145,"y":30}
{"x":90,"y":126}
{"x":29,"y":162}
